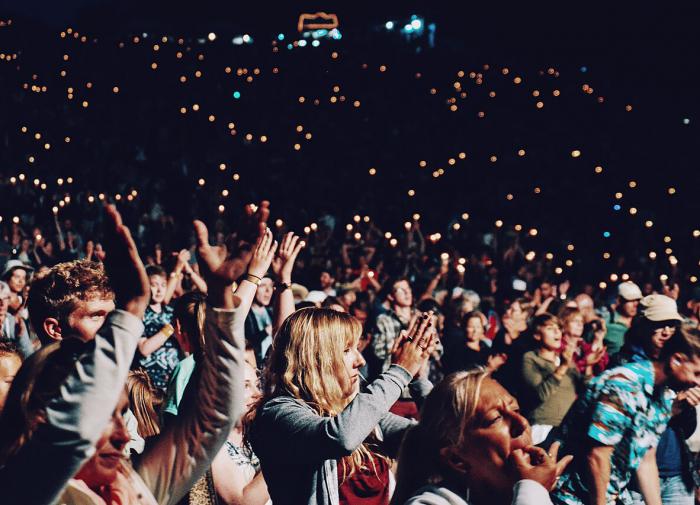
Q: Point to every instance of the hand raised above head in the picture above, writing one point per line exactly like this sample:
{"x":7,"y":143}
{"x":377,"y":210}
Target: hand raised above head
{"x":254,"y":221}
{"x":217,"y":266}
{"x":263,"y":253}
{"x":125,"y":269}
{"x":287,"y":254}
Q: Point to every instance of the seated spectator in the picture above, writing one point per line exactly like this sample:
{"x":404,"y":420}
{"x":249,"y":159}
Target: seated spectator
{"x":70,"y":299}
{"x":471,"y":350}
{"x":159,"y":354}
{"x":144,"y":403}
{"x":258,"y":325}
{"x":16,"y":274}
{"x":319,"y":437}
{"x":572,"y":332}
{"x":614,"y":427}
{"x":74,"y":385}
{"x":473,"y":447}
{"x":550,"y":377}
{"x":390,"y":323}
{"x":13,"y":328}
{"x":628,"y":296}
{"x":236,"y":469}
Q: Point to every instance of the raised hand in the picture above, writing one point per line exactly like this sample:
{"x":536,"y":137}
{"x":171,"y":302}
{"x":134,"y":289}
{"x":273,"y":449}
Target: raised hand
{"x":182,"y":261}
{"x":218,"y":269}
{"x":255,"y":221}
{"x":287,"y":254}
{"x":672,"y":291}
{"x":125,"y":269}
{"x":534,"y":463}
{"x":100,"y":252}
{"x":263,"y":253}
{"x":412,"y":347}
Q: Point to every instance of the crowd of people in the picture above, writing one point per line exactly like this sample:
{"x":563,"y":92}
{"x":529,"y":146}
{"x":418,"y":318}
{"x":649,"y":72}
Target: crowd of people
{"x":450,"y":321}
{"x":215,"y":376}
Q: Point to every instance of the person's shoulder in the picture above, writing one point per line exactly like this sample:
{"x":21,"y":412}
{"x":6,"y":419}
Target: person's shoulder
{"x":629,"y":377}
{"x":531,"y":356}
{"x":435,"y":495}
{"x":282,"y":404}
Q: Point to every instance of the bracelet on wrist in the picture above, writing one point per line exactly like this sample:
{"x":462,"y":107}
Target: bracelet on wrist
{"x":167,"y":330}
{"x":253,"y":278}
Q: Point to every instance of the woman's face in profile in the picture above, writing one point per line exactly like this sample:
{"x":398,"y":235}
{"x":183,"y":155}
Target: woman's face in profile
{"x":498,"y":429}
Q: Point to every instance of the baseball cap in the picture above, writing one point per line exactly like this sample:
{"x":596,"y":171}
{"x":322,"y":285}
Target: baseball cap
{"x":629,"y":291}
{"x":659,"y":308}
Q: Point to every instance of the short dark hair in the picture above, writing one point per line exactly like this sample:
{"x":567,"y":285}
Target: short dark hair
{"x":56,"y":293}
{"x":152,"y":270}
{"x":543,"y":320}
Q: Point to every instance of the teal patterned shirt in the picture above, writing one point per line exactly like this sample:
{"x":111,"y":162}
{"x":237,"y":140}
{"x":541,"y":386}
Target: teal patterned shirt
{"x":620,"y":408}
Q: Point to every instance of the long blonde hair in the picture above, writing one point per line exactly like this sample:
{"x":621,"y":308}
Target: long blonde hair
{"x":306,"y":363}
{"x":145,"y":401}
{"x":447,"y":415}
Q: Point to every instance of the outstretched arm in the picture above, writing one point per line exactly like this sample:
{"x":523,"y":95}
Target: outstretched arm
{"x":76,"y":417}
{"x":214,"y":401}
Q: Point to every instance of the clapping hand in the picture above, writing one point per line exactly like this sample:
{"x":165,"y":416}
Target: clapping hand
{"x":413,"y":347}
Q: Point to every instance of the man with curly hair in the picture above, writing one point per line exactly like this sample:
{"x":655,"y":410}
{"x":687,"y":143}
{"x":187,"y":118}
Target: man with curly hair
{"x":71,"y":299}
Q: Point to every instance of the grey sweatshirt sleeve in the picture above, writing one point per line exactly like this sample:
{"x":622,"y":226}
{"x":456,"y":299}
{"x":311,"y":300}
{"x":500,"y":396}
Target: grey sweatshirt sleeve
{"x":288,"y":428}
{"x":76,"y":418}
{"x":185,"y":449}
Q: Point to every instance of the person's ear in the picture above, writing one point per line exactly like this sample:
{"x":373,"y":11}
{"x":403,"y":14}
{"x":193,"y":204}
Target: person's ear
{"x":52,"y":328}
{"x":451,"y":457}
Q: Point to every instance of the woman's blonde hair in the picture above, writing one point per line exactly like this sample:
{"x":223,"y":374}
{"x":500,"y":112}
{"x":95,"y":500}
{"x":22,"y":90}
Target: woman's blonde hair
{"x":307,"y":361}
{"x":145,"y":401}
{"x":447,"y":415}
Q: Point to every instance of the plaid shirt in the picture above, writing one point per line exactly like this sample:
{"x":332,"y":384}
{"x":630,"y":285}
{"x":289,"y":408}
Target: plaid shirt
{"x":388,"y":327}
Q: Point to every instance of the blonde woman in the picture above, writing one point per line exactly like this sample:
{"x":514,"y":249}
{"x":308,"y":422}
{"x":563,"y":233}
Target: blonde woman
{"x":473,"y":447}
{"x":144,"y":403}
{"x":320,"y":439}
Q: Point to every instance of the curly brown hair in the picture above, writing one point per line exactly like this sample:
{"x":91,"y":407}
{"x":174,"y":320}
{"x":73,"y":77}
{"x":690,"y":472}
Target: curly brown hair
{"x":57,"y":292}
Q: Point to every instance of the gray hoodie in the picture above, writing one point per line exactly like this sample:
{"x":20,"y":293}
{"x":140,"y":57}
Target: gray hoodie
{"x":299,"y":449}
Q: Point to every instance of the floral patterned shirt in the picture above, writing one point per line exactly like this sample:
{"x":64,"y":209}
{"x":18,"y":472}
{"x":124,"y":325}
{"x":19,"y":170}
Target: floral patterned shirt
{"x":620,"y":408}
{"x":162,"y":362}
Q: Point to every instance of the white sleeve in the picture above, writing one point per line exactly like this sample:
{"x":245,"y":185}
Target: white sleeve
{"x":529,"y":492}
